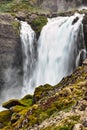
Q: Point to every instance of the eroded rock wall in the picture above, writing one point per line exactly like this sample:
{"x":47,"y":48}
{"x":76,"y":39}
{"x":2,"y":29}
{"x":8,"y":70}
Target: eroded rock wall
{"x":10,"y":53}
{"x":60,"y":5}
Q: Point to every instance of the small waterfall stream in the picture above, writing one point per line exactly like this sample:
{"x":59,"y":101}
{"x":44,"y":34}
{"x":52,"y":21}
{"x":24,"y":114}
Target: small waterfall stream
{"x":59,"y":50}
{"x":28,"y":39}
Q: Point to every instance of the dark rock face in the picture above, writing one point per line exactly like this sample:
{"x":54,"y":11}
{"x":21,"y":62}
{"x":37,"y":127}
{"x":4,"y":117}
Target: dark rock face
{"x":85,"y":122}
{"x":84,"y":2}
{"x":1,"y":125}
{"x":10,"y":53}
{"x":60,"y":5}
{"x":85,"y":29}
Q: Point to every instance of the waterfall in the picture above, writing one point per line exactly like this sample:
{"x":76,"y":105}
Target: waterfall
{"x":59,"y":50}
{"x":28,"y":39}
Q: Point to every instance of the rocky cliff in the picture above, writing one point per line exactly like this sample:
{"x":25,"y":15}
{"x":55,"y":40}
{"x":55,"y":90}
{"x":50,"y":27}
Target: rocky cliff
{"x":10,"y":52}
{"x":60,"y":5}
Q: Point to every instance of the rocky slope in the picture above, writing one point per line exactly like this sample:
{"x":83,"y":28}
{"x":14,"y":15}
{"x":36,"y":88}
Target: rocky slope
{"x":60,"y":107}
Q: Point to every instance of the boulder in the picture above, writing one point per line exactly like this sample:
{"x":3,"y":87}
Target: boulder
{"x":1,"y":125}
{"x":12,"y":103}
{"x":85,"y":122}
{"x":85,"y":62}
{"x":78,"y":127}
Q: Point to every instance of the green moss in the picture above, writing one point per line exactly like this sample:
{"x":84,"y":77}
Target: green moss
{"x":62,"y":128}
{"x":38,"y":23}
{"x":65,"y":124}
{"x":32,"y":120}
{"x":20,"y":104}
{"x":14,"y":117}
{"x":5,"y":6}
{"x":70,"y":121}
{"x":27,"y":102}
{"x":64,"y":104}
{"x":27,"y":97}
{"x":75,"y":117}
{"x":9,"y":6}
{"x":51,"y":110}
{"x":57,"y":128}
{"x":13,"y":6}
{"x":43,"y":116}
{"x":11,"y":103}
{"x":5,"y":117}
{"x":17,"y":108}
{"x":16,"y":27}
{"x":42,"y":91}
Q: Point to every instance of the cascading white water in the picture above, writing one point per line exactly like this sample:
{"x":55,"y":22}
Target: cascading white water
{"x":59,"y":48}
{"x":28,"y":46}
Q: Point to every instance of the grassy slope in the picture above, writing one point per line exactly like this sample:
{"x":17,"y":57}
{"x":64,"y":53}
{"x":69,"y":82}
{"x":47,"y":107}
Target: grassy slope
{"x":14,"y":6}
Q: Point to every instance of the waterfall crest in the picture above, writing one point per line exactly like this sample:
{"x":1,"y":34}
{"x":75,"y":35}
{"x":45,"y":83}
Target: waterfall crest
{"x":59,"y":51}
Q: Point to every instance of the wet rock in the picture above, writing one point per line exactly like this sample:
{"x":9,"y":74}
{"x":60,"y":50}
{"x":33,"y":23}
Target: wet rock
{"x":21,"y":16}
{"x":14,"y":118}
{"x":25,"y":121}
{"x":85,"y":96}
{"x":32,"y":17}
{"x":78,"y":127}
{"x":1,"y":125}
{"x":85,"y":123}
{"x":82,"y":107}
{"x":75,"y":20}
{"x":85,"y":62}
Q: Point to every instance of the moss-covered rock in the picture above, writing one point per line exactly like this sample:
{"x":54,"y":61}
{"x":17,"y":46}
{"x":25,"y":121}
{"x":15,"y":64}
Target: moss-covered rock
{"x":15,"y":103}
{"x":57,"y":107}
{"x":37,"y":23}
{"x":5,"y":117}
{"x":16,"y":27}
{"x":14,"y":117}
{"x":42,"y":91}
{"x":27,"y":100}
{"x":11,"y":103}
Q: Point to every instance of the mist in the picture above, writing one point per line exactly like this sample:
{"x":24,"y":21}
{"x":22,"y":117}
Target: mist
{"x":12,"y":84}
